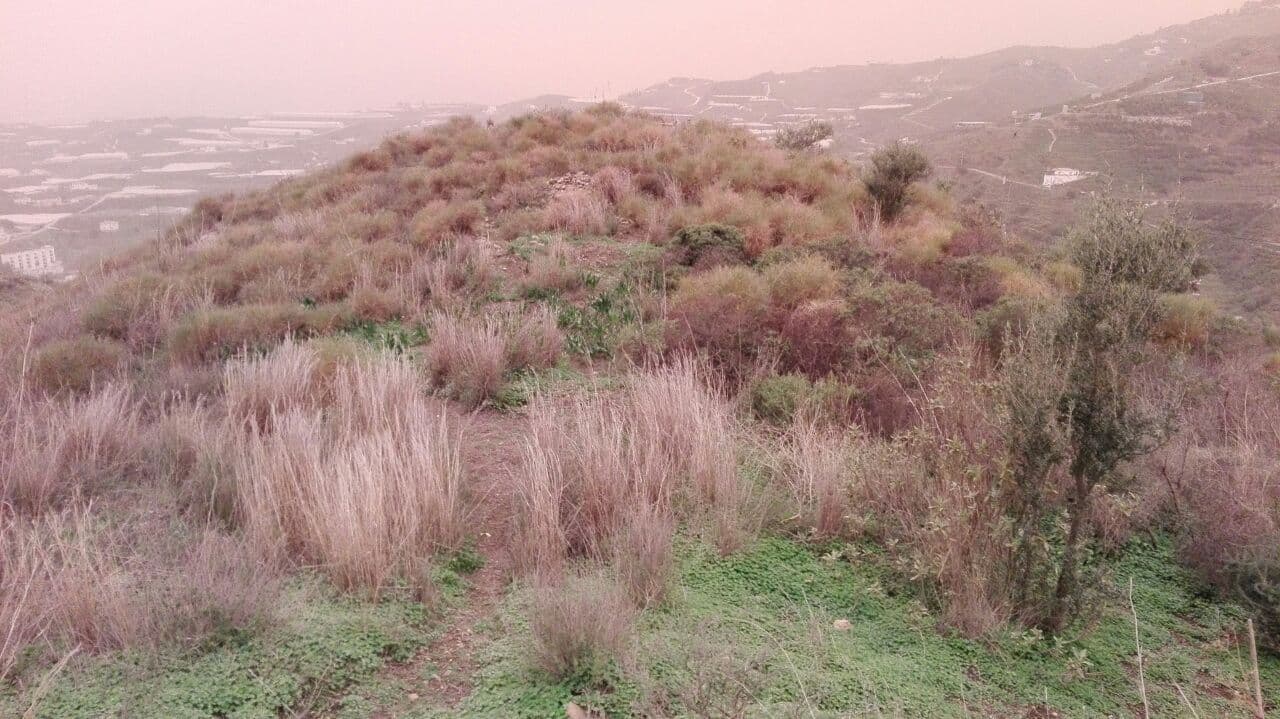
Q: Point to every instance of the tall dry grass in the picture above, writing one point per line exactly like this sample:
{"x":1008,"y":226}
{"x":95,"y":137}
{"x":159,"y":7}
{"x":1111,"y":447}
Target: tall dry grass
{"x":52,"y":450}
{"x":666,"y":442}
{"x":365,"y":487}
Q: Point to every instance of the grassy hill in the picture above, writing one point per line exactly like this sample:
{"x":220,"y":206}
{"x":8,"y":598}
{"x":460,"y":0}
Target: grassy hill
{"x":657,"y":420}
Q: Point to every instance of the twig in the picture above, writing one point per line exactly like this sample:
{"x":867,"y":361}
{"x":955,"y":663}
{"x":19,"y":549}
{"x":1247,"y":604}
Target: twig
{"x":1259,"y":709}
{"x":1183,"y":696}
{"x":1142,"y":680}
{"x":46,"y":683}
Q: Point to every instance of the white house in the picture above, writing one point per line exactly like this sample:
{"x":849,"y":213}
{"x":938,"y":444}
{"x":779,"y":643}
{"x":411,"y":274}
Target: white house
{"x":34,"y":263}
{"x":108,"y":226}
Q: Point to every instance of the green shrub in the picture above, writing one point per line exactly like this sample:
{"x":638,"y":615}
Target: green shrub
{"x":709,"y":245}
{"x":776,"y":399}
{"x":721,"y":313}
{"x":77,"y":364}
{"x":892,"y":172}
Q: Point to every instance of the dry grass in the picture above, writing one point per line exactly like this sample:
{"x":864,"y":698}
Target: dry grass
{"x":579,"y":626}
{"x":67,"y":580}
{"x":56,"y":450}
{"x":642,"y":555}
{"x":365,"y":491}
{"x":818,"y":467}
{"x":666,"y":442}
{"x":467,"y":357}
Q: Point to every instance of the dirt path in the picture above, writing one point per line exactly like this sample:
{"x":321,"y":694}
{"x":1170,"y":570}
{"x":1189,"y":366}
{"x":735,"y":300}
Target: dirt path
{"x":441,"y":674}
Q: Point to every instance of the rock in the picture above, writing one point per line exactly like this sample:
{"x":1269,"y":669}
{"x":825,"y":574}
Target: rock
{"x":842,"y":625}
{"x":413,"y":697}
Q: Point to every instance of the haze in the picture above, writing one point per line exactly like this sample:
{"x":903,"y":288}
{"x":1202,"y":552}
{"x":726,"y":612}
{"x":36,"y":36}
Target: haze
{"x":64,"y":61}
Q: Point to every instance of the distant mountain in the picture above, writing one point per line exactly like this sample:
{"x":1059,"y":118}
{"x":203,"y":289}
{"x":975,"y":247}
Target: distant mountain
{"x":870,"y":104}
{"x":1200,"y":137}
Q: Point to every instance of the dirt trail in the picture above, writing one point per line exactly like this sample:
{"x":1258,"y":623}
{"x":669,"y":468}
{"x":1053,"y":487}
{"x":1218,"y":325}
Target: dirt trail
{"x":492,"y":448}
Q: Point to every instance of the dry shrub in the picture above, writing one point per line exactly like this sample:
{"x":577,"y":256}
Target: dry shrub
{"x":467,"y":357}
{"x":55,"y":450}
{"x":816,"y":465}
{"x":365,"y":490}
{"x":256,"y":389}
{"x":214,"y":335}
{"x":70,"y":580}
{"x":140,"y":309}
{"x":579,"y":626}
{"x":77,"y":365}
{"x":188,"y":452}
{"x":720,"y":312}
{"x":552,"y":270}
{"x":817,"y":338}
{"x":373,"y":304}
{"x":642,"y":555}
{"x":534,"y":340}
{"x":613,"y":183}
{"x":463,"y":271}
{"x":440,"y":221}
{"x":577,"y":212}
{"x":665,"y":442}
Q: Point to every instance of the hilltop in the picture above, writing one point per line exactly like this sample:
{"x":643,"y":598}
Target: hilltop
{"x":654,"y":419}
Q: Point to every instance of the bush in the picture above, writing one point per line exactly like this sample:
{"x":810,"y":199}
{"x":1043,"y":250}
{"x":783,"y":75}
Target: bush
{"x":76,"y":365}
{"x":805,"y":279}
{"x":720,"y":312}
{"x":777,"y":398}
{"x":441,"y":220}
{"x":706,"y":246}
{"x":214,"y":335}
{"x":892,"y":172}
{"x":803,"y":137}
{"x":1186,"y":320}
{"x":579,"y":627}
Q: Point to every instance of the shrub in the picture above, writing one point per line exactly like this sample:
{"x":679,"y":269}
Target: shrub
{"x":76,"y":365}
{"x":706,"y":246}
{"x":777,"y":398}
{"x":720,"y":312}
{"x":441,"y":220}
{"x":892,"y":172}
{"x":643,"y":556}
{"x":467,"y":357}
{"x":1186,"y":320}
{"x":803,"y":137}
{"x":805,"y":279}
{"x":579,"y":627}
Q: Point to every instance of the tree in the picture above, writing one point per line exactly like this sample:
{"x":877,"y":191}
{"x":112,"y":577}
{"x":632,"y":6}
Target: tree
{"x":893,"y":170}
{"x":1068,"y":391}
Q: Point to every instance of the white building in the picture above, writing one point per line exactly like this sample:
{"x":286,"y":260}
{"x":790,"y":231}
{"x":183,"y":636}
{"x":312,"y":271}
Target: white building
{"x":1065,"y":175}
{"x":108,"y":226}
{"x":34,"y":263}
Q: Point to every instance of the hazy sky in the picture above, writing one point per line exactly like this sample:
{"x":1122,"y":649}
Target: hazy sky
{"x":65,"y":60}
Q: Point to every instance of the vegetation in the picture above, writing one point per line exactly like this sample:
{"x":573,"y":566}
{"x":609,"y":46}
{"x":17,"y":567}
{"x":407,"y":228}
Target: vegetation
{"x":640,"y":383}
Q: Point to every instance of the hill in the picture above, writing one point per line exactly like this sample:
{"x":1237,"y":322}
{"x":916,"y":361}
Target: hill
{"x":878,"y":103}
{"x":1197,"y":138}
{"x":658,"y":420}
